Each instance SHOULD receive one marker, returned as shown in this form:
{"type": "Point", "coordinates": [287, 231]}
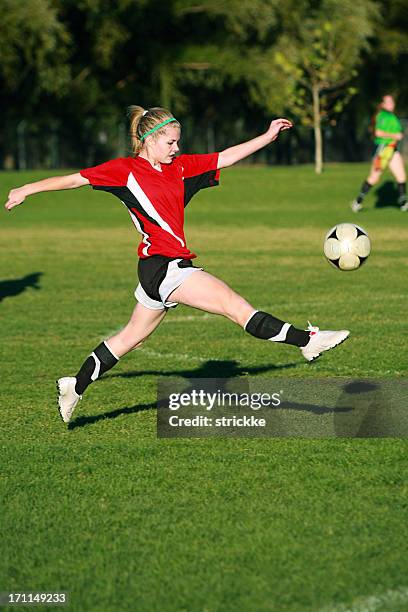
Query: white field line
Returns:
{"type": "Point", "coordinates": [177, 356]}
{"type": "Point", "coordinates": [152, 353]}
{"type": "Point", "coordinates": [374, 603]}
{"type": "Point", "coordinates": [175, 319]}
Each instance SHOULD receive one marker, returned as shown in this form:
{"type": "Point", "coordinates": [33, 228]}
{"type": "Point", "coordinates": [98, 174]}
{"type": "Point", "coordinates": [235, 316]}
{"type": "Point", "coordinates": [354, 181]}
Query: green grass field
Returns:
{"type": "Point", "coordinates": [124, 521]}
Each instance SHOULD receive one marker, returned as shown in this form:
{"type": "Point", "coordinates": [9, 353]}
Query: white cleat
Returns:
{"type": "Point", "coordinates": [404, 207]}
{"type": "Point", "coordinates": [67, 397]}
{"type": "Point", "coordinates": [356, 206]}
{"type": "Point", "coordinates": [321, 341]}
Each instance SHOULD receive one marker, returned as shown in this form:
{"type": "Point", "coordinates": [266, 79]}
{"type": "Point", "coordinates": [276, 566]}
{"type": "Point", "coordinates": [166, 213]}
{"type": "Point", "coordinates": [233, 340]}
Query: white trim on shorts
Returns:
{"type": "Point", "coordinates": [174, 278]}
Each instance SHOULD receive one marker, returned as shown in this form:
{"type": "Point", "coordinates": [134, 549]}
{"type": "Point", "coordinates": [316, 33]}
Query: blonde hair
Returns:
{"type": "Point", "coordinates": [142, 120]}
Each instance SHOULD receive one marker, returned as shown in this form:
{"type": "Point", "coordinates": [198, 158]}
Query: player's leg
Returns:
{"type": "Point", "coordinates": [374, 176]}
{"type": "Point", "coordinates": [208, 293]}
{"type": "Point", "coordinates": [106, 355]}
{"type": "Point", "coordinates": [371, 180]}
{"type": "Point", "coordinates": [398, 170]}
{"type": "Point", "coordinates": [141, 325]}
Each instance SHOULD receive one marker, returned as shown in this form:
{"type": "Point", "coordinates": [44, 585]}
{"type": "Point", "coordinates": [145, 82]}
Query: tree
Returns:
{"type": "Point", "coordinates": [34, 47]}
{"type": "Point", "coordinates": [34, 51]}
{"type": "Point", "coordinates": [300, 56]}
{"type": "Point", "coordinates": [319, 57]}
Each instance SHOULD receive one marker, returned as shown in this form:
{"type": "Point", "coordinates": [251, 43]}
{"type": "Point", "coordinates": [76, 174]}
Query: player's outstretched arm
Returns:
{"type": "Point", "coordinates": [234, 154]}
{"type": "Point", "coordinates": [70, 181]}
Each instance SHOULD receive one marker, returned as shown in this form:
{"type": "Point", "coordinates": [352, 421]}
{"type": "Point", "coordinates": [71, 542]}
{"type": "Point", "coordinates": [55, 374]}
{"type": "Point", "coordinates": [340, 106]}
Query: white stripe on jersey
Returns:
{"type": "Point", "coordinates": [145, 238]}
{"type": "Point", "coordinates": [146, 204]}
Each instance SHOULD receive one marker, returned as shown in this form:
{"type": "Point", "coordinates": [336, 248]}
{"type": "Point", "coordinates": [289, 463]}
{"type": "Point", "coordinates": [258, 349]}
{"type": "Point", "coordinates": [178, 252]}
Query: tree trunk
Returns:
{"type": "Point", "coordinates": [317, 130]}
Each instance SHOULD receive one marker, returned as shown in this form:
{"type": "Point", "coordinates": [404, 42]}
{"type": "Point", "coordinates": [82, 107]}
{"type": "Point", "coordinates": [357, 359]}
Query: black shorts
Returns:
{"type": "Point", "coordinates": [159, 276]}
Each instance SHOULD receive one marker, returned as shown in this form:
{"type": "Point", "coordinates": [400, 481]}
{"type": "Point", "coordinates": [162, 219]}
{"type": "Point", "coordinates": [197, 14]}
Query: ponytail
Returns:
{"type": "Point", "coordinates": [142, 121]}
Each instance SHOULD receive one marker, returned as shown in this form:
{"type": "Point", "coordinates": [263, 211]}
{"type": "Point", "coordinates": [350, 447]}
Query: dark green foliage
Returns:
{"type": "Point", "coordinates": [69, 69]}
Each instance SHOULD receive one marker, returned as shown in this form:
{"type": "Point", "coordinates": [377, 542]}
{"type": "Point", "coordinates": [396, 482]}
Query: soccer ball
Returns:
{"type": "Point", "coordinates": [347, 246]}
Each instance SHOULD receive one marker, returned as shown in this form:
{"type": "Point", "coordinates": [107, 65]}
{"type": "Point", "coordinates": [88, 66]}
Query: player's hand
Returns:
{"type": "Point", "coordinates": [278, 125]}
{"type": "Point", "coordinates": [15, 197]}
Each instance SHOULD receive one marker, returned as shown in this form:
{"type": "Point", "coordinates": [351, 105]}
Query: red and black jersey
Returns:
{"type": "Point", "coordinates": [154, 199]}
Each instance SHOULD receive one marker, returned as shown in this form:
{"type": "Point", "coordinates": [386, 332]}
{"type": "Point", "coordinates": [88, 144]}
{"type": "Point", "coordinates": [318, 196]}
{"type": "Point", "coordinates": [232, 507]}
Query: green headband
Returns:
{"type": "Point", "coordinates": [157, 127]}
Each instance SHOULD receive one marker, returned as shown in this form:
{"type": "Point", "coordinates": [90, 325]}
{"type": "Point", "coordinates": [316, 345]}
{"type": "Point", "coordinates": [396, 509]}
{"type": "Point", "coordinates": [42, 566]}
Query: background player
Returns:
{"type": "Point", "coordinates": [156, 185]}
{"type": "Point", "coordinates": [388, 135]}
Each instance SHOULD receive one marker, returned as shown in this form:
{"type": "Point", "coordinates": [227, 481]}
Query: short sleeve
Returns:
{"type": "Point", "coordinates": [113, 173]}
{"type": "Point", "coordinates": [193, 165]}
{"type": "Point", "coordinates": [199, 172]}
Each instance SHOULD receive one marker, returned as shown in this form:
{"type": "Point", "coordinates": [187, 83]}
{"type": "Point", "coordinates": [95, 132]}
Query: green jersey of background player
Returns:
{"type": "Point", "coordinates": [387, 122]}
{"type": "Point", "coordinates": [388, 135]}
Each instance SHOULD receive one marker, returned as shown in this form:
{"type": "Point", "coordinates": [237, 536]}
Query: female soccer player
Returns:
{"type": "Point", "coordinates": [155, 185]}
{"type": "Point", "coordinates": [388, 135]}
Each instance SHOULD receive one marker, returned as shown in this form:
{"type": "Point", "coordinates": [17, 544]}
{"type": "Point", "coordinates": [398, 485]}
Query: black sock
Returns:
{"type": "Point", "coordinates": [365, 188]}
{"type": "Point", "coordinates": [99, 361]}
{"type": "Point", "coordinates": [402, 193]}
{"type": "Point", "coordinates": [265, 326]}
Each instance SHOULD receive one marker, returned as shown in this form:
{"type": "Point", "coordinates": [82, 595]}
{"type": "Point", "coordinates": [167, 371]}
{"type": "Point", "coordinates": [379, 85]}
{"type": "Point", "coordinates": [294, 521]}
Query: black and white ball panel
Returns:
{"type": "Point", "coordinates": [347, 246]}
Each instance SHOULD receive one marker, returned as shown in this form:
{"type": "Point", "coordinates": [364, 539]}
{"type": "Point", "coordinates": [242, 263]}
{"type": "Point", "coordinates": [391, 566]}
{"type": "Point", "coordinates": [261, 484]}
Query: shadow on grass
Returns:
{"type": "Point", "coordinates": [386, 195]}
{"type": "Point", "coordinates": [12, 288]}
{"type": "Point", "coordinates": [314, 408]}
{"type": "Point", "coordinates": [113, 414]}
{"type": "Point", "coordinates": [210, 369]}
